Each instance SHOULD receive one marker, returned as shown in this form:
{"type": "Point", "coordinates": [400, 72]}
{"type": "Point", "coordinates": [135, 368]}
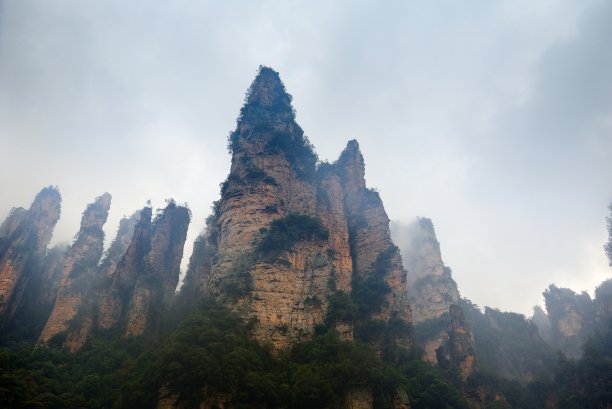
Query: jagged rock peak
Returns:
{"type": "Point", "coordinates": [48, 196]}
{"type": "Point", "coordinates": [267, 89]}
{"type": "Point", "coordinates": [266, 103]}
{"type": "Point", "coordinates": [431, 288]}
{"type": "Point", "coordinates": [352, 166]}
{"type": "Point", "coordinates": [120, 245]}
{"type": "Point", "coordinates": [96, 213]}
{"type": "Point", "coordinates": [571, 317]}
{"type": "Point", "coordinates": [25, 235]}
{"type": "Point", "coordinates": [266, 127]}
{"type": "Point", "coordinates": [80, 264]}
{"type": "Point", "coordinates": [12, 221]}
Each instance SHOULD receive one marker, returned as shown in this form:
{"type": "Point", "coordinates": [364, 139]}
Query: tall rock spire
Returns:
{"type": "Point", "coordinates": [266, 126]}
{"type": "Point", "coordinates": [157, 283]}
{"type": "Point", "coordinates": [351, 167]}
{"type": "Point", "coordinates": [376, 260]}
{"type": "Point", "coordinates": [434, 298]}
{"type": "Point", "coordinates": [115, 297]}
{"type": "Point", "coordinates": [80, 264]}
{"type": "Point", "coordinates": [431, 288]}
{"type": "Point", "coordinates": [24, 237]}
{"type": "Point", "coordinates": [287, 237]}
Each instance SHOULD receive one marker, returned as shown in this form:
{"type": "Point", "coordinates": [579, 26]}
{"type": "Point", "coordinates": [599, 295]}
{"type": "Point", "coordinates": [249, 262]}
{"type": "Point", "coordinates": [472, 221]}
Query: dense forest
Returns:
{"type": "Point", "coordinates": [211, 351]}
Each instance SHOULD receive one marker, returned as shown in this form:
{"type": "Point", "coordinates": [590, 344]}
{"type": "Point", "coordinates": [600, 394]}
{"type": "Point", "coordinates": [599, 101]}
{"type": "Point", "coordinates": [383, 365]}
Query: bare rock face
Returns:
{"type": "Point", "coordinates": [440, 326]}
{"type": "Point", "coordinates": [115, 296]}
{"type": "Point", "coordinates": [143, 282]}
{"type": "Point", "coordinates": [24, 237]}
{"type": "Point", "coordinates": [375, 257]}
{"type": "Point", "coordinates": [461, 343]}
{"type": "Point", "coordinates": [119, 246]}
{"type": "Point", "coordinates": [431, 288]}
{"type": "Point", "coordinates": [273, 190]}
{"type": "Point", "coordinates": [52, 268]}
{"type": "Point", "coordinates": [156, 284]}
{"type": "Point", "coordinates": [80, 264]}
{"type": "Point", "coordinates": [285, 235]}
{"type": "Point", "coordinates": [195, 285]}
{"type": "Point", "coordinates": [100, 285]}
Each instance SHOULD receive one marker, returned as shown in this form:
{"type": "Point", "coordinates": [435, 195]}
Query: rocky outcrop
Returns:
{"type": "Point", "coordinates": [156, 284]}
{"type": "Point", "coordinates": [603, 304]}
{"type": "Point", "coordinates": [286, 235]}
{"type": "Point", "coordinates": [440, 326]}
{"type": "Point", "coordinates": [274, 189]}
{"type": "Point", "coordinates": [119, 246]}
{"type": "Point", "coordinates": [375, 257]}
{"type": "Point", "coordinates": [143, 282]}
{"type": "Point", "coordinates": [431, 288]}
{"type": "Point", "coordinates": [24, 237]}
{"type": "Point", "coordinates": [540, 319]}
{"type": "Point", "coordinates": [80, 264]}
{"type": "Point", "coordinates": [12, 222]}
{"type": "Point", "coordinates": [571, 317]}
{"type": "Point", "coordinates": [115, 296]}
{"type": "Point", "coordinates": [195, 284]}
{"type": "Point", "coordinates": [459, 350]}
{"type": "Point", "coordinates": [508, 344]}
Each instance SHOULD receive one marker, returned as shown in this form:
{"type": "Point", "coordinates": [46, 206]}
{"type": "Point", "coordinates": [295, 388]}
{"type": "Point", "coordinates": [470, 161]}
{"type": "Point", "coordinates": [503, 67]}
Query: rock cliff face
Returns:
{"type": "Point", "coordinates": [116, 294]}
{"type": "Point", "coordinates": [273, 177]}
{"type": "Point", "coordinates": [24, 237]}
{"type": "Point", "coordinates": [440, 326]}
{"type": "Point", "coordinates": [80, 264]}
{"type": "Point", "coordinates": [431, 288]}
{"type": "Point", "coordinates": [51, 276]}
{"type": "Point", "coordinates": [119, 246]}
{"type": "Point", "coordinates": [155, 286]}
{"type": "Point", "coordinates": [285, 235]}
{"type": "Point", "coordinates": [374, 255]}
{"type": "Point", "coordinates": [463, 351]}
{"type": "Point", "coordinates": [143, 282]}
{"type": "Point", "coordinates": [571, 317]}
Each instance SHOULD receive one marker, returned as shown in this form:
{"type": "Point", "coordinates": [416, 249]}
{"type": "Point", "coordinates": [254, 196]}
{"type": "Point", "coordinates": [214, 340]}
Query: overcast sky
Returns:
{"type": "Point", "coordinates": [493, 118]}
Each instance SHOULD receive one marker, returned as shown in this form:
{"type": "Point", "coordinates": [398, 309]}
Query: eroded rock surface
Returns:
{"type": "Point", "coordinates": [80, 264]}
{"type": "Point", "coordinates": [24, 237]}
{"type": "Point", "coordinates": [274, 184]}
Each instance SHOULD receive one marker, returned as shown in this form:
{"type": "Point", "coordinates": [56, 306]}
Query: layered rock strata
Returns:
{"type": "Point", "coordinates": [373, 252]}
{"type": "Point", "coordinates": [285, 235]}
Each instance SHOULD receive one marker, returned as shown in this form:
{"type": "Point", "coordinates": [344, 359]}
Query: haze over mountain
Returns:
{"type": "Point", "coordinates": [493, 119]}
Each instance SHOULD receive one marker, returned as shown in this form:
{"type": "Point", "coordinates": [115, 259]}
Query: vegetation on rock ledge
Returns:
{"type": "Point", "coordinates": [284, 233]}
